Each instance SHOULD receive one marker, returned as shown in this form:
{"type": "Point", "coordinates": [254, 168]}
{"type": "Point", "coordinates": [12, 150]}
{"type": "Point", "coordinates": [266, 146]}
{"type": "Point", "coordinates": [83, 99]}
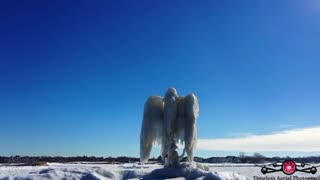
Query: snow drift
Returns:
{"type": "Point", "coordinates": [106, 171]}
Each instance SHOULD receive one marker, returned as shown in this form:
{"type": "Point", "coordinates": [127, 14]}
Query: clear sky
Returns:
{"type": "Point", "coordinates": [74, 75]}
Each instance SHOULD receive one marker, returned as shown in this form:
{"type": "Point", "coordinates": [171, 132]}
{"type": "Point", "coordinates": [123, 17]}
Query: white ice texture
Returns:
{"type": "Point", "coordinates": [167, 121]}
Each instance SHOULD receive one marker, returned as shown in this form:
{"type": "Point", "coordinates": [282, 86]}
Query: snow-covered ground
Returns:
{"type": "Point", "coordinates": [93, 171]}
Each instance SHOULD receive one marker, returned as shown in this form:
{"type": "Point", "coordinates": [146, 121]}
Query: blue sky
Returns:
{"type": "Point", "coordinates": [74, 75]}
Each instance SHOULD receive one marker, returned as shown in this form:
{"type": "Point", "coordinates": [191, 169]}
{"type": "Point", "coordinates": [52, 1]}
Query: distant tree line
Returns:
{"type": "Point", "coordinates": [256, 158]}
{"type": "Point", "coordinates": [62, 159]}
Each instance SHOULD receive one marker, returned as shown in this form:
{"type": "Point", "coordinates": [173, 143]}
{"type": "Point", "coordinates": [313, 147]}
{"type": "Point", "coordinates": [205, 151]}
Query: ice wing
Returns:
{"type": "Point", "coordinates": [152, 126]}
{"type": "Point", "coordinates": [190, 116]}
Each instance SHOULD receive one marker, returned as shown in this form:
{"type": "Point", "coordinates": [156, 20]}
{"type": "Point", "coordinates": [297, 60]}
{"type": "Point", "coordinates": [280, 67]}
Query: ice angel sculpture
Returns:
{"type": "Point", "coordinates": [169, 120]}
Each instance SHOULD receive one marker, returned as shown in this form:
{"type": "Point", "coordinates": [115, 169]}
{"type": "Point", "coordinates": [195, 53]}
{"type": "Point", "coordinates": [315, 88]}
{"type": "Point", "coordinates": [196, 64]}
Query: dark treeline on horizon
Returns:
{"type": "Point", "coordinates": [242, 158]}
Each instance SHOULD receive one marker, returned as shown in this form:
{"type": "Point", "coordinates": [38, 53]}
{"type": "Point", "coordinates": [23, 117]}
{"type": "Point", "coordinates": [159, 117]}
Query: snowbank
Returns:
{"type": "Point", "coordinates": [107, 171]}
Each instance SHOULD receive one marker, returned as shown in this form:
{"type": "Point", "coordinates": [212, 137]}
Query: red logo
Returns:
{"type": "Point", "coordinates": [289, 167]}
